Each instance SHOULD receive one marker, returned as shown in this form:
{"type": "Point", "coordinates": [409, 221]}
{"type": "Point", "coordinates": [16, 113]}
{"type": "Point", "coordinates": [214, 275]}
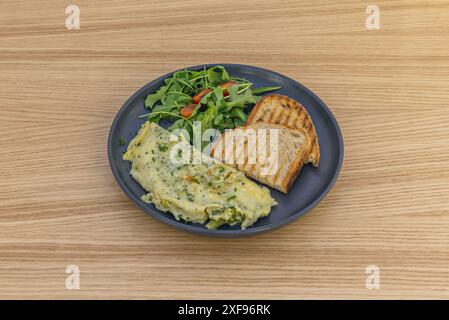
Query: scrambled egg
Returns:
{"type": "Point", "coordinates": [209, 191]}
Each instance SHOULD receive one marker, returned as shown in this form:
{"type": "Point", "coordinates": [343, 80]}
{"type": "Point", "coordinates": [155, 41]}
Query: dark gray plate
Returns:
{"type": "Point", "coordinates": [309, 188]}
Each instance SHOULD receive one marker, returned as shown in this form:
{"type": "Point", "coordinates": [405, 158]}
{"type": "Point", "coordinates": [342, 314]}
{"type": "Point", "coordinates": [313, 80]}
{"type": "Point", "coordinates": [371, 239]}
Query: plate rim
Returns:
{"type": "Point", "coordinates": [218, 232]}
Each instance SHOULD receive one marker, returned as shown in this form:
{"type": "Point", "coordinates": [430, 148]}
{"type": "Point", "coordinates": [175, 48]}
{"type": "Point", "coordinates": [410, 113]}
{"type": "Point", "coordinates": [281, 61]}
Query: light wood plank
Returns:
{"type": "Point", "coordinates": [60, 205]}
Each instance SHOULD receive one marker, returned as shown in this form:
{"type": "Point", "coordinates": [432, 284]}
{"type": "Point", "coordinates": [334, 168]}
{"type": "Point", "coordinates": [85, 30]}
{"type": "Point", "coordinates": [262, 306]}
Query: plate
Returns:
{"type": "Point", "coordinates": [308, 190]}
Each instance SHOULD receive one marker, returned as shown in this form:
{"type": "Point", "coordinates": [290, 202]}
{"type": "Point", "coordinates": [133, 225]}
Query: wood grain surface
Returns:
{"type": "Point", "coordinates": [60, 205]}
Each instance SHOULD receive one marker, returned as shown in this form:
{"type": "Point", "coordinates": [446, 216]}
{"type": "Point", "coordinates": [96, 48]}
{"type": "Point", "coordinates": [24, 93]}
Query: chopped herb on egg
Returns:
{"type": "Point", "coordinates": [162, 147]}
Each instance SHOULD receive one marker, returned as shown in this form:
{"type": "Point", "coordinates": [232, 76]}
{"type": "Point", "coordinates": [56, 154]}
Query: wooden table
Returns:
{"type": "Point", "coordinates": [60, 206]}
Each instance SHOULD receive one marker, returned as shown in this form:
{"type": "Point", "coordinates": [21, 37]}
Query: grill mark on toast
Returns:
{"type": "Point", "coordinates": [273, 102]}
{"type": "Point", "coordinates": [286, 172]}
{"type": "Point", "coordinates": [292, 121]}
{"type": "Point", "coordinates": [283, 117]}
{"type": "Point", "coordinates": [274, 116]}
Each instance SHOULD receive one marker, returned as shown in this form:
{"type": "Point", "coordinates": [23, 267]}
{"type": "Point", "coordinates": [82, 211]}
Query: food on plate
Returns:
{"type": "Point", "coordinates": [207, 191]}
{"type": "Point", "coordinates": [276, 140]}
{"type": "Point", "coordinates": [211, 96]}
{"type": "Point", "coordinates": [287, 111]}
{"type": "Point", "coordinates": [270, 153]}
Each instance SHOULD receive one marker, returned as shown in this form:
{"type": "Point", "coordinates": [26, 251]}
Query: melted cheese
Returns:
{"type": "Point", "coordinates": [208, 191]}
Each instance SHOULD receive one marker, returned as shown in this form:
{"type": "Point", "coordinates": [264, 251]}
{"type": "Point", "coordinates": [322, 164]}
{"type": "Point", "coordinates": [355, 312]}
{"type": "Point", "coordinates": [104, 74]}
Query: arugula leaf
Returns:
{"type": "Point", "coordinates": [217, 75]}
{"type": "Point", "coordinates": [163, 112]}
{"type": "Point", "coordinates": [181, 124]}
{"type": "Point", "coordinates": [239, 122]}
{"type": "Point", "coordinates": [209, 115]}
{"type": "Point", "coordinates": [265, 89]}
{"type": "Point", "coordinates": [218, 95]}
{"type": "Point", "coordinates": [237, 113]}
{"type": "Point", "coordinates": [177, 98]}
{"type": "Point", "coordinates": [151, 99]}
{"type": "Point", "coordinates": [218, 119]}
{"type": "Point", "coordinates": [239, 100]}
{"type": "Point", "coordinates": [214, 110]}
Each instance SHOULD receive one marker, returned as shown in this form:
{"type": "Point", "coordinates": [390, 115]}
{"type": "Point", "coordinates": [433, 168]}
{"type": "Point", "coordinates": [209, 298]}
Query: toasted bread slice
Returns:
{"type": "Point", "coordinates": [270, 153]}
{"type": "Point", "coordinates": [284, 110]}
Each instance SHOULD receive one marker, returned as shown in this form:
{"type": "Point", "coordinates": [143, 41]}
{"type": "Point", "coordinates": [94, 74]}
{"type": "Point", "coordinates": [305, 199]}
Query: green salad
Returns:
{"type": "Point", "coordinates": [211, 96]}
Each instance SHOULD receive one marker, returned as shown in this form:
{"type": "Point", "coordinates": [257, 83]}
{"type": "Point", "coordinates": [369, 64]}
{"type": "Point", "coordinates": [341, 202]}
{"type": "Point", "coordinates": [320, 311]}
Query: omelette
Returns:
{"type": "Point", "coordinates": [205, 191]}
